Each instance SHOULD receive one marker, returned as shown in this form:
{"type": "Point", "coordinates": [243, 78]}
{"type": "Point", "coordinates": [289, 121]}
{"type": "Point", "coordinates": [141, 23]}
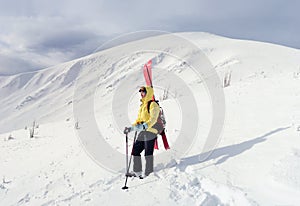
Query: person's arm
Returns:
{"type": "Point", "coordinates": [138, 120]}
{"type": "Point", "coordinates": [154, 112]}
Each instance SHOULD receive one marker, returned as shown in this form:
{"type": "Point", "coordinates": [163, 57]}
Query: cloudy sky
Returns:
{"type": "Point", "coordinates": [35, 34]}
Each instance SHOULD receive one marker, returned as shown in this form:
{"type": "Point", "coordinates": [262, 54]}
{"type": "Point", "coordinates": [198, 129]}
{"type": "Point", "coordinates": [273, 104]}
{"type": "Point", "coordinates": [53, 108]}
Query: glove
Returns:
{"type": "Point", "coordinates": [140, 127]}
{"type": "Point", "coordinates": [127, 130]}
{"type": "Point", "coordinates": [145, 126]}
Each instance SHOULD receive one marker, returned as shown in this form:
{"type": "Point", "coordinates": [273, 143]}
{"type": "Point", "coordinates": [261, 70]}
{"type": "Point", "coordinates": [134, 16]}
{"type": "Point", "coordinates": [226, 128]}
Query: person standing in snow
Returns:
{"type": "Point", "coordinates": [145, 124]}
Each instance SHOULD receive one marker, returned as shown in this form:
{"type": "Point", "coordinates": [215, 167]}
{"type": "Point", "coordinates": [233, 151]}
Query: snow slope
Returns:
{"type": "Point", "coordinates": [255, 163]}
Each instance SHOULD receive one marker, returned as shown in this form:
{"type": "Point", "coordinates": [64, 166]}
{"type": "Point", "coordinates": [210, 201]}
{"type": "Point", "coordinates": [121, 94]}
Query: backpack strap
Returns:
{"type": "Point", "coordinates": [149, 102]}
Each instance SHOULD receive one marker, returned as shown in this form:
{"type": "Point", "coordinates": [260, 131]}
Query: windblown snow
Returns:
{"type": "Point", "coordinates": [257, 160]}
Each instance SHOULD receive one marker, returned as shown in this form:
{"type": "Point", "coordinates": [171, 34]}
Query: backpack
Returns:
{"type": "Point", "coordinates": [160, 124]}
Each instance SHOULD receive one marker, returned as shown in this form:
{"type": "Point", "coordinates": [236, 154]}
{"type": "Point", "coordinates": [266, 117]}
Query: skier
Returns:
{"type": "Point", "coordinates": [145, 124]}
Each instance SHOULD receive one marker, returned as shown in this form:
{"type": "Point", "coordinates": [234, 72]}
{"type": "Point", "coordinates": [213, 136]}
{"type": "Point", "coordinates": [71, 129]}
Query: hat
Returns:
{"type": "Point", "coordinates": [143, 89]}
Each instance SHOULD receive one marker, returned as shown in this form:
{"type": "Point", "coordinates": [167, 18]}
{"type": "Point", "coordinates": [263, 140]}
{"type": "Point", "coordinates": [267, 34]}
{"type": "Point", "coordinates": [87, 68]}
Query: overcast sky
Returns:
{"type": "Point", "coordinates": [35, 34]}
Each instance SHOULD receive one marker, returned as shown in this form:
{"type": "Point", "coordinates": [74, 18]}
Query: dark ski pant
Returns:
{"type": "Point", "coordinates": [145, 141]}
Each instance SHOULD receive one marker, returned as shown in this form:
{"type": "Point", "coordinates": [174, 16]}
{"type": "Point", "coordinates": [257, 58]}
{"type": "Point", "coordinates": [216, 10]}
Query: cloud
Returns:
{"type": "Point", "coordinates": [37, 34]}
{"type": "Point", "coordinates": [11, 65]}
{"type": "Point", "coordinates": [34, 43]}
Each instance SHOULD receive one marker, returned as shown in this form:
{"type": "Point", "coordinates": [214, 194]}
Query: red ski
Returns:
{"type": "Point", "coordinates": [147, 70]}
{"type": "Point", "coordinates": [148, 73]}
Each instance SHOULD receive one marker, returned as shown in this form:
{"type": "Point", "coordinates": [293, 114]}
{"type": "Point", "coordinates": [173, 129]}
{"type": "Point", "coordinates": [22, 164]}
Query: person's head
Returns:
{"type": "Point", "coordinates": [143, 91]}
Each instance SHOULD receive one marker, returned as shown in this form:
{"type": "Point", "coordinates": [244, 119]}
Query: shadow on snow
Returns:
{"type": "Point", "coordinates": [224, 153]}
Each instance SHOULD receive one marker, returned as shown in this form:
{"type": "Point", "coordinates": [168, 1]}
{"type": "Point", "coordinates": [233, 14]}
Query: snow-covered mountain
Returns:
{"type": "Point", "coordinates": [256, 161]}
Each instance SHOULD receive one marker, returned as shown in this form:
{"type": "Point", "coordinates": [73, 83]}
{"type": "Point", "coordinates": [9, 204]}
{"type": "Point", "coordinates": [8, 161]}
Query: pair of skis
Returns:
{"type": "Point", "coordinates": [147, 70]}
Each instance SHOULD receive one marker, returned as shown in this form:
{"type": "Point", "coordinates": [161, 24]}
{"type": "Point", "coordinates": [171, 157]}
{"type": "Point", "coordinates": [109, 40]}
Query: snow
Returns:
{"type": "Point", "coordinates": [256, 161]}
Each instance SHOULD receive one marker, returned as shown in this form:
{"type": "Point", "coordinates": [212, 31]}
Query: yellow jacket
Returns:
{"type": "Point", "coordinates": [143, 115]}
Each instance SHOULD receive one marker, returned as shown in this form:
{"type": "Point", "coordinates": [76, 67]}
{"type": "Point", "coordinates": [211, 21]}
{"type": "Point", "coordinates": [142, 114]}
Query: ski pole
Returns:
{"type": "Point", "coordinates": [131, 151]}
{"type": "Point", "coordinates": [126, 152]}
{"type": "Point", "coordinates": [128, 167]}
